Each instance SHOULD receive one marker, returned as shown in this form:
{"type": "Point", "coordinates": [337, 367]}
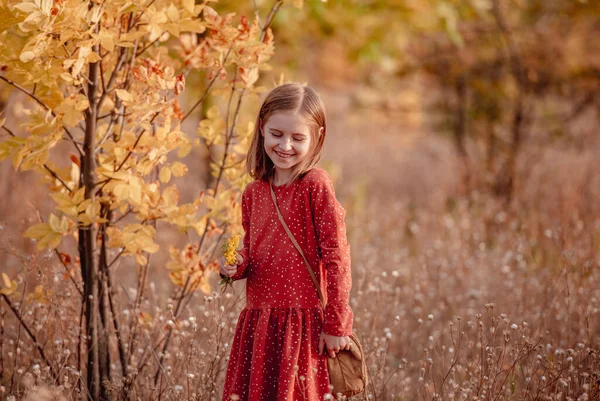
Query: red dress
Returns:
{"type": "Point", "coordinates": [280, 325]}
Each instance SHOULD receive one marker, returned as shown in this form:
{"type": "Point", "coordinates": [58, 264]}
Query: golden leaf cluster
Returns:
{"type": "Point", "coordinates": [186, 266]}
{"type": "Point", "coordinates": [129, 118]}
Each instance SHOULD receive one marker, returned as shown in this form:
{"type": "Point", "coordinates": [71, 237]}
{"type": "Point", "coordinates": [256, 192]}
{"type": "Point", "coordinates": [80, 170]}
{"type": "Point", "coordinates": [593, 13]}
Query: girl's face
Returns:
{"type": "Point", "coordinates": [286, 138]}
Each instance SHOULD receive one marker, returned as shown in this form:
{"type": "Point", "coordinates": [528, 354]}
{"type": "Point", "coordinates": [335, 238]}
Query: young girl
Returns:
{"type": "Point", "coordinates": [283, 334]}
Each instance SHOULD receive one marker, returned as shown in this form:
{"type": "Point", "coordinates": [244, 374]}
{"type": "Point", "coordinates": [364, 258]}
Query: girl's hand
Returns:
{"type": "Point", "coordinates": [334, 344]}
{"type": "Point", "coordinates": [229, 270]}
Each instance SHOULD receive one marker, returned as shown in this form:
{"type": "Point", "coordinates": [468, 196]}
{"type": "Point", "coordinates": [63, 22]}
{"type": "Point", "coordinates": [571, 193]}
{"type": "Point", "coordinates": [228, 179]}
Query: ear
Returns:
{"type": "Point", "coordinates": [321, 131]}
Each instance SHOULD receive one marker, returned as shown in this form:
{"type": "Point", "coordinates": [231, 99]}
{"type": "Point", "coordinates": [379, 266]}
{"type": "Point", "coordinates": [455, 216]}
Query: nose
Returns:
{"type": "Point", "coordinates": [285, 144]}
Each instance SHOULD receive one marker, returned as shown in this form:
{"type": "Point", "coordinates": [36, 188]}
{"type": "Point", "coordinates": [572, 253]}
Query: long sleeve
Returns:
{"type": "Point", "coordinates": [335, 254]}
{"type": "Point", "coordinates": [242, 270]}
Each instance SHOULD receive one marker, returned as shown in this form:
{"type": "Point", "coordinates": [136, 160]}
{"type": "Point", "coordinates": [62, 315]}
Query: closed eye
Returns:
{"type": "Point", "coordinates": [299, 139]}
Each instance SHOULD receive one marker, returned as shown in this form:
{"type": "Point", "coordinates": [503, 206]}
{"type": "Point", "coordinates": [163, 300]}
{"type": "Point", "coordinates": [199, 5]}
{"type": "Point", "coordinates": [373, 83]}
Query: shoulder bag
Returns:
{"type": "Point", "coordinates": [348, 370]}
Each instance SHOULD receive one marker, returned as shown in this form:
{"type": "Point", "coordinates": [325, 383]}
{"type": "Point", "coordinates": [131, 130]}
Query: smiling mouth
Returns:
{"type": "Point", "coordinates": [283, 155]}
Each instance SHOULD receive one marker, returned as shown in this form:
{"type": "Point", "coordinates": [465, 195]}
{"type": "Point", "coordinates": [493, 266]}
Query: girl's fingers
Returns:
{"type": "Point", "coordinates": [228, 270]}
{"type": "Point", "coordinates": [239, 259]}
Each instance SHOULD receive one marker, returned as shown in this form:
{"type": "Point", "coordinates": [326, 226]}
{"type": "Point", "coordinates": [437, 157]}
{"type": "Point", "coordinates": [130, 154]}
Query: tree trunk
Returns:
{"type": "Point", "coordinates": [89, 269]}
{"type": "Point", "coordinates": [460, 129]}
{"type": "Point", "coordinates": [507, 180]}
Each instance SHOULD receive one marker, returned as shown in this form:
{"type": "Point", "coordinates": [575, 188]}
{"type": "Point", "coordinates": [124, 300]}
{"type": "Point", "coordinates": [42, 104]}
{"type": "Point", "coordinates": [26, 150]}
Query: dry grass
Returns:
{"type": "Point", "coordinates": [456, 297]}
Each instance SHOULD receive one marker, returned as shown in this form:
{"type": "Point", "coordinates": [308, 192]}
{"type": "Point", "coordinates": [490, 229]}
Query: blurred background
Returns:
{"type": "Point", "coordinates": [463, 138]}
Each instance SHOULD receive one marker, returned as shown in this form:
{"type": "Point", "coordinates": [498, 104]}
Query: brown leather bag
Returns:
{"type": "Point", "coordinates": [348, 370]}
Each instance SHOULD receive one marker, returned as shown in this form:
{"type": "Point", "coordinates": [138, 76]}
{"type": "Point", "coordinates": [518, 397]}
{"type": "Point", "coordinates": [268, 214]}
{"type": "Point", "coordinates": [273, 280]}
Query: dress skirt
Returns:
{"type": "Point", "coordinates": [282, 344]}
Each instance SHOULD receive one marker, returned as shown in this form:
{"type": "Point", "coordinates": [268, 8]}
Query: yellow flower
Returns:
{"type": "Point", "coordinates": [230, 249]}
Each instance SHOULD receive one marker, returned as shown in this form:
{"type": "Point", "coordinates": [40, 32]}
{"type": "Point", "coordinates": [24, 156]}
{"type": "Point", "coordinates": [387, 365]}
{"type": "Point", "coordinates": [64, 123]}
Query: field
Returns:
{"type": "Point", "coordinates": [456, 296]}
{"type": "Point", "coordinates": [462, 138]}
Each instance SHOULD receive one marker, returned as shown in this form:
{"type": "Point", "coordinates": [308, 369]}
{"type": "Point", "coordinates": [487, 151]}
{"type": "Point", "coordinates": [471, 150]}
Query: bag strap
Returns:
{"type": "Point", "coordinates": [287, 230]}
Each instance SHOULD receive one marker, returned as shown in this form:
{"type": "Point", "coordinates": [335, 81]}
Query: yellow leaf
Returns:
{"type": "Point", "coordinates": [184, 149]}
{"type": "Point", "coordinates": [252, 77]}
{"type": "Point", "coordinates": [61, 199]}
{"type": "Point", "coordinates": [93, 57]}
{"type": "Point", "coordinates": [205, 285]}
{"type": "Point", "coordinates": [7, 18]}
{"type": "Point", "coordinates": [190, 25]}
{"type": "Point", "coordinates": [81, 102]}
{"type": "Point", "coordinates": [148, 245]}
{"type": "Point", "coordinates": [47, 6]}
{"type": "Point", "coordinates": [9, 286]}
{"type": "Point", "coordinates": [6, 280]}
{"type": "Point", "coordinates": [27, 56]}
{"type": "Point", "coordinates": [121, 191]}
{"type": "Point", "coordinates": [84, 205]}
{"type": "Point", "coordinates": [106, 40]}
{"type": "Point", "coordinates": [51, 241]}
{"type": "Point", "coordinates": [165, 175]}
{"type": "Point", "coordinates": [125, 44]}
{"type": "Point", "coordinates": [84, 219]}
{"type": "Point", "coordinates": [170, 196]}
{"type": "Point", "coordinates": [140, 259]}
{"type": "Point", "coordinates": [173, 28]}
{"type": "Point", "coordinates": [132, 228]}
{"type": "Point", "coordinates": [135, 187]}
{"type": "Point", "coordinates": [66, 76]}
{"type": "Point", "coordinates": [124, 95]}
{"type": "Point", "coordinates": [38, 231]}
{"type": "Point", "coordinates": [115, 237]}
{"type": "Point", "coordinates": [64, 225]}
{"type": "Point", "coordinates": [68, 108]}
{"type": "Point", "coordinates": [179, 169]}
{"type": "Point", "coordinates": [131, 36]}
{"type": "Point", "coordinates": [27, 7]}
{"type": "Point", "coordinates": [79, 195]}
{"type": "Point", "coordinates": [144, 318]}
{"type": "Point", "coordinates": [92, 212]}
{"type": "Point", "coordinates": [213, 112]}
{"type": "Point", "coordinates": [197, 9]}
{"type": "Point", "coordinates": [189, 5]}
{"type": "Point", "coordinates": [54, 223]}
{"type": "Point", "coordinates": [39, 295]}
{"type": "Point", "coordinates": [127, 8]}
{"type": "Point", "coordinates": [172, 13]}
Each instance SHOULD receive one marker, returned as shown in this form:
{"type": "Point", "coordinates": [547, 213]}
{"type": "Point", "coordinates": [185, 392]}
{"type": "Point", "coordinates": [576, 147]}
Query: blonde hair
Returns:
{"type": "Point", "coordinates": [297, 98]}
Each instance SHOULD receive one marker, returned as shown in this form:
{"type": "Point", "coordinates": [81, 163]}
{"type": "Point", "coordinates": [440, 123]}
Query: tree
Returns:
{"type": "Point", "coordinates": [104, 78]}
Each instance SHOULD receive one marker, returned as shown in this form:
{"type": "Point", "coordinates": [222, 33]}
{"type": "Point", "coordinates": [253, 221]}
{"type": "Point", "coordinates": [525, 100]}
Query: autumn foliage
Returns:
{"type": "Point", "coordinates": [104, 78]}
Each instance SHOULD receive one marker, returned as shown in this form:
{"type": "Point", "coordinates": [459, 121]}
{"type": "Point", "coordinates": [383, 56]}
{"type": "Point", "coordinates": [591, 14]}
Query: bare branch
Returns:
{"type": "Point", "coordinates": [270, 17]}
{"type": "Point", "coordinates": [257, 14]}
{"type": "Point", "coordinates": [207, 89]}
{"type": "Point", "coordinates": [62, 262]}
{"type": "Point", "coordinates": [113, 76]}
{"type": "Point", "coordinates": [136, 20]}
{"type": "Point", "coordinates": [44, 105]}
{"type": "Point", "coordinates": [37, 345]}
{"type": "Point", "coordinates": [147, 47]}
{"type": "Point", "coordinates": [9, 132]}
{"type": "Point", "coordinates": [57, 177]}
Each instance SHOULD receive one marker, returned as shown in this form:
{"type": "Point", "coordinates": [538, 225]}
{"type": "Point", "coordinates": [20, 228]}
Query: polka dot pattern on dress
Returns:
{"type": "Point", "coordinates": [277, 333]}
